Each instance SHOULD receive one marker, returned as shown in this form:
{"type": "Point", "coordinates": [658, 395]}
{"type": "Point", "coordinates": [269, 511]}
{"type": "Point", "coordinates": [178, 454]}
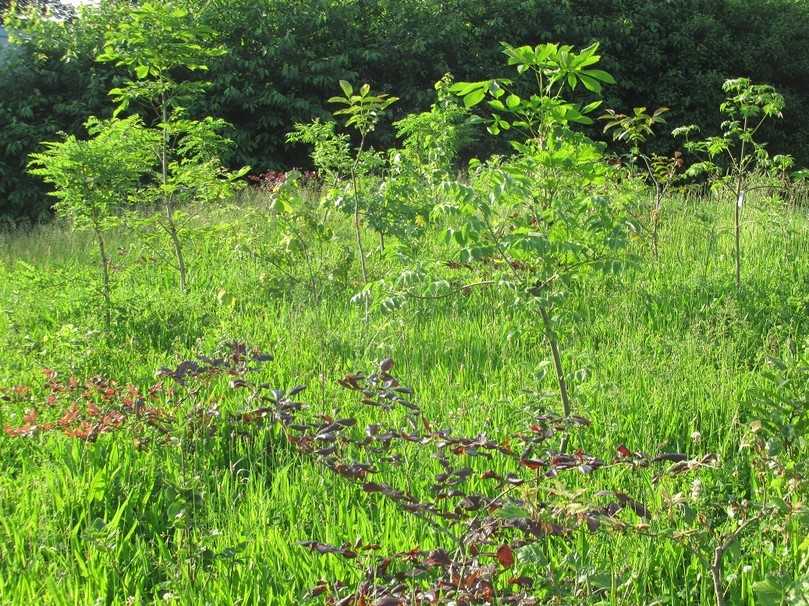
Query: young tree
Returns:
{"type": "Point", "coordinates": [732, 158]}
{"type": "Point", "coordinates": [362, 112]}
{"type": "Point", "coordinates": [540, 219]}
{"type": "Point", "coordinates": [94, 180]}
{"type": "Point", "coordinates": [157, 43]}
{"type": "Point", "coordinates": [634, 131]}
{"type": "Point", "coordinates": [332, 152]}
{"type": "Point", "coordinates": [430, 142]}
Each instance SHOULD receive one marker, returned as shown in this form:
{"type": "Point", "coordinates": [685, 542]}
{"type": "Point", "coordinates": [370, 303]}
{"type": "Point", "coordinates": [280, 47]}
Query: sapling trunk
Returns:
{"type": "Point", "coordinates": [171, 225]}
{"type": "Point", "coordinates": [656, 218]}
{"type": "Point", "coordinates": [738, 235]}
{"type": "Point", "coordinates": [357, 226]}
{"type": "Point", "coordinates": [177, 245]}
{"type": "Point", "coordinates": [550, 334]}
{"type": "Point", "coordinates": [717, 560]}
{"type": "Point", "coordinates": [737, 226]}
{"type": "Point", "coordinates": [657, 206]}
{"type": "Point", "coordinates": [358, 233]}
{"type": "Point", "coordinates": [738, 202]}
{"type": "Point", "coordinates": [105, 279]}
{"type": "Point", "coordinates": [557, 365]}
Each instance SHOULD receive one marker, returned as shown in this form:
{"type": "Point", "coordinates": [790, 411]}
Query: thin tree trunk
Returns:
{"type": "Point", "coordinates": [719, 554]}
{"type": "Point", "coordinates": [357, 228]}
{"type": "Point", "coordinates": [105, 275]}
{"type": "Point", "coordinates": [358, 235]}
{"type": "Point", "coordinates": [557, 365]}
{"type": "Point", "coordinates": [171, 226]}
{"type": "Point", "coordinates": [737, 224]}
{"type": "Point", "coordinates": [656, 220]}
{"type": "Point", "coordinates": [177, 245]}
{"type": "Point", "coordinates": [360, 249]}
{"type": "Point", "coordinates": [738, 234]}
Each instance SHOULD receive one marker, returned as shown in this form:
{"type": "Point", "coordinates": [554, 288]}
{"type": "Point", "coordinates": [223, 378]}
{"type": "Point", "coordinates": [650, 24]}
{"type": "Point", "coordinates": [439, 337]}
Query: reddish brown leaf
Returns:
{"type": "Point", "coordinates": [531, 463]}
{"type": "Point", "coordinates": [505, 556]}
{"type": "Point", "coordinates": [318, 589]}
{"type": "Point", "coordinates": [438, 557]}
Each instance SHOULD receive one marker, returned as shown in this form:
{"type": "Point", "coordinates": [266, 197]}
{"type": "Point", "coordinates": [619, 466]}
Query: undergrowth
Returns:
{"type": "Point", "coordinates": [215, 480]}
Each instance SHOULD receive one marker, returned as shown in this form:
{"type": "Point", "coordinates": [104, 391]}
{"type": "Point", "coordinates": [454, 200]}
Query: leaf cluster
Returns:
{"type": "Point", "coordinates": [94, 179]}
{"type": "Point", "coordinates": [362, 110]}
{"type": "Point", "coordinates": [556, 70]}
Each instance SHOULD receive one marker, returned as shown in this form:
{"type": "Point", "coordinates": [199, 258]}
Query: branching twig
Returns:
{"type": "Point", "coordinates": [719, 554]}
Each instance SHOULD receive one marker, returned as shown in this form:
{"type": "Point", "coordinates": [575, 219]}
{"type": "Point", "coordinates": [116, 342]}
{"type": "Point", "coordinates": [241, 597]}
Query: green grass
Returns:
{"type": "Point", "coordinates": [662, 350]}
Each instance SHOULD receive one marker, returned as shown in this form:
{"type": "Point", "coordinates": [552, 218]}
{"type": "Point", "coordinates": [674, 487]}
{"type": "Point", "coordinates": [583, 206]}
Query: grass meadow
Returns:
{"type": "Point", "coordinates": [661, 357]}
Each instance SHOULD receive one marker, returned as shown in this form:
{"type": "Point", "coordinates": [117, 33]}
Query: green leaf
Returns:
{"type": "Point", "coordinates": [592, 106]}
{"type": "Point", "coordinates": [496, 90]}
{"type": "Point", "coordinates": [599, 74]}
{"type": "Point", "coordinates": [122, 107]}
{"type": "Point", "coordinates": [142, 71]}
{"type": "Point", "coordinates": [464, 88]}
{"type": "Point", "coordinates": [512, 101]}
{"type": "Point", "coordinates": [511, 511]}
{"type": "Point", "coordinates": [768, 592]}
{"type": "Point", "coordinates": [348, 90]}
{"type": "Point", "coordinates": [532, 554]}
{"type": "Point", "coordinates": [472, 99]}
{"type": "Point", "coordinates": [590, 84]}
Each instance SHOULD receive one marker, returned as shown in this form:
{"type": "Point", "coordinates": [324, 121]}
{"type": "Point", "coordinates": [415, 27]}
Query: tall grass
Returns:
{"type": "Point", "coordinates": [659, 352]}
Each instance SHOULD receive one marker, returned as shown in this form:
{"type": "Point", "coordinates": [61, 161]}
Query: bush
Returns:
{"type": "Point", "coordinates": [283, 58]}
{"type": "Point", "coordinates": [50, 83]}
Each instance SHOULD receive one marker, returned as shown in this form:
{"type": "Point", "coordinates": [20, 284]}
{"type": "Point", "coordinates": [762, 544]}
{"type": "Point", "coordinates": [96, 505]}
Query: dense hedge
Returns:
{"type": "Point", "coordinates": [49, 83]}
{"type": "Point", "coordinates": [287, 55]}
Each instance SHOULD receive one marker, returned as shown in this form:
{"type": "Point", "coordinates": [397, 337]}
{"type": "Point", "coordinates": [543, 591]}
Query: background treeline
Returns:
{"type": "Point", "coordinates": [286, 56]}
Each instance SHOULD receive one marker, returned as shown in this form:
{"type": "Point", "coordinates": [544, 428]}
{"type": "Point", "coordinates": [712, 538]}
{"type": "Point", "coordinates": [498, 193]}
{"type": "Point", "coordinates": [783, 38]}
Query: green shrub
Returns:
{"type": "Point", "coordinates": [283, 58]}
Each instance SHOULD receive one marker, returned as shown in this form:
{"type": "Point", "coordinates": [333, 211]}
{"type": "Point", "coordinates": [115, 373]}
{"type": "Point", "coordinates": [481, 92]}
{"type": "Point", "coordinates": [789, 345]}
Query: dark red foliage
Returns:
{"type": "Point", "coordinates": [466, 488]}
{"type": "Point", "coordinates": [86, 410]}
{"type": "Point", "coordinates": [505, 555]}
{"type": "Point", "coordinates": [271, 180]}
